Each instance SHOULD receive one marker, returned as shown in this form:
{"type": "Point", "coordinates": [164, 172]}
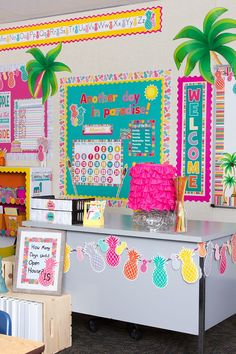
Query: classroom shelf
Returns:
{"type": "Point", "coordinates": [31, 182]}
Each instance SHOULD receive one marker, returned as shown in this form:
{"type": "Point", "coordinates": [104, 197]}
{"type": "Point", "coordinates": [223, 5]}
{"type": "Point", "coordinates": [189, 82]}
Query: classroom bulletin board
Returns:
{"type": "Point", "coordinates": [108, 123]}
{"type": "Point", "coordinates": [23, 119]}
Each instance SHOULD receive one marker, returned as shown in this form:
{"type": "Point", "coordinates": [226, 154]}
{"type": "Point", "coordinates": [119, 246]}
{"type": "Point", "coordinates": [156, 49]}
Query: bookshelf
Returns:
{"type": "Point", "coordinates": [17, 186]}
{"type": "Point", "coordinates": [55, 323]}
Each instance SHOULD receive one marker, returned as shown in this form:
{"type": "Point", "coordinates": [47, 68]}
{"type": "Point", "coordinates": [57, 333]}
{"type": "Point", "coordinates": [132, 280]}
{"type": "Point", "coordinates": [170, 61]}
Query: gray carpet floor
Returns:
{"type": "Point", "coordinates": [112, 338]}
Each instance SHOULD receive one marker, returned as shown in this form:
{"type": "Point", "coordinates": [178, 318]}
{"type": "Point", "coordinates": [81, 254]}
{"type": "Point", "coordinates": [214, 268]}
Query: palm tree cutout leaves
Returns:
{"type": "Point", "coordinates": [204, 45]}
{"type": "Point", "coordinates": [41, 72]}
{"type": "Point", "coordinates": [228, 163]}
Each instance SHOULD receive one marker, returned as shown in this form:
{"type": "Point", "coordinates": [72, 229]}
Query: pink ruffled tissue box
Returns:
{"type": "Point", "coordinates": [152, 187]}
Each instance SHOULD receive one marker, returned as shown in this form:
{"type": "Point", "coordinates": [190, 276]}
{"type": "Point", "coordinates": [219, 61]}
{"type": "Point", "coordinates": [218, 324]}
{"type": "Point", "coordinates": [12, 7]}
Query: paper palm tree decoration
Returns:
{"type": "Point", "coordinates": [229, 181]}
{"type": "Point", "coordinates": [229, 166]}
{"type": "Point", "coordinates": [41, 72]}
{"type": "Point", "coordinates": [203, 46]}
{"type": "Point", "coordinates": [229, 163]}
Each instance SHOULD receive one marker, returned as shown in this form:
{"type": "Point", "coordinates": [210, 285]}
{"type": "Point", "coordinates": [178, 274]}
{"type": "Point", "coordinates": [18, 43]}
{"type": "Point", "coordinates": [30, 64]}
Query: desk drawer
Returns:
{"type": "Point", "coordinates": [57, 216]}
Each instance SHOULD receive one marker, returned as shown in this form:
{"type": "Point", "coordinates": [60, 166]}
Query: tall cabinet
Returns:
{"type": "Point", "coordinates": [17, 186]}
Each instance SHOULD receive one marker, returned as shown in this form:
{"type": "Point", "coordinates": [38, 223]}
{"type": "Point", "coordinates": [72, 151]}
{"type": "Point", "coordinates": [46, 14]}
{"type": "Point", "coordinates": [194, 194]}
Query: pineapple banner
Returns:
{"type": "Point", "coordinates": [109, 251]}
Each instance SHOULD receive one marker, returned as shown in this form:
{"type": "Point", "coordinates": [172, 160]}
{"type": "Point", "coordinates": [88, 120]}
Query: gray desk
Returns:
{"type": "Point", "coordinates": [182, 307]}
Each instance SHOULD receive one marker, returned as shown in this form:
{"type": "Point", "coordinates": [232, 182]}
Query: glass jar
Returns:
{"type": "Point", "coordinates": [155, 220]}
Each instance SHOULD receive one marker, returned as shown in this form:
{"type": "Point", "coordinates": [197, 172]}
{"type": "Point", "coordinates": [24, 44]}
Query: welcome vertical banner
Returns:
{"type": "Point", "coordinates": [194, 136]}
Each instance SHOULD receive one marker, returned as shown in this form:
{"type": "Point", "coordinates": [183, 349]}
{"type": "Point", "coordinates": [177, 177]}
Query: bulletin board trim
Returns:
{"type": "Point", "coordinates": [66, 31]}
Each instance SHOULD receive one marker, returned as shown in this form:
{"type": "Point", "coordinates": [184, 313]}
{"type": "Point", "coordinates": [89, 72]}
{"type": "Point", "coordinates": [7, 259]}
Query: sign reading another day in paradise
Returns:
{"type": "Point", "coordinates": [122, 23]}
{"type": "Point", "coordinates": [194, 127]}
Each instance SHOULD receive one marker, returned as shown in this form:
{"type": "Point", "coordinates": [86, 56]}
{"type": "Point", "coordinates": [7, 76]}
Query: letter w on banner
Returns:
{"type": "Point", "coordinates": [194, 136]}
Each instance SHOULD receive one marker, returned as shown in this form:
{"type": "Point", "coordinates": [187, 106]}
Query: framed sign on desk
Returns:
{"type": "Point", "coordinates": [39, 261]}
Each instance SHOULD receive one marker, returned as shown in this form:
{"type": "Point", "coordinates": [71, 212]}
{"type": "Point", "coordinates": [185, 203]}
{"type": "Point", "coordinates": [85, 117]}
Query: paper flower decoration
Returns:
{"type": "Point", "coordinates": [152, 187]}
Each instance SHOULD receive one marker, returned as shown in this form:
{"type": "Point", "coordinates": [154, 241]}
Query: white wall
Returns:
{"type": "Point", "coordinates": [133, 53]}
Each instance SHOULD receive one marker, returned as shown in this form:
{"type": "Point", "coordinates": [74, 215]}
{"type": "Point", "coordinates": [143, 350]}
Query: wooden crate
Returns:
{"type": "Point", "coordinates": [8, 266]}
{"type": "Point", "coordinates": [56, 319]}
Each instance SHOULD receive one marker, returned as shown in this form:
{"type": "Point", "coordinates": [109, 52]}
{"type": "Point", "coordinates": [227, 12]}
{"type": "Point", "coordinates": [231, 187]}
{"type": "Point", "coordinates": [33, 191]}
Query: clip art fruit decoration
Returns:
{"type": "Point", "coordinates": [233, 244]}
{"type": "Point", "coordinates": [96, 260]}
{"type": "Point", "coordinates": [189, 269]}
{"type": "Point", "coordinates": [67, 259]}
{"type": "Point", "coordinates": [208, 259]}
{"type": "Point", "coordinates": [46, 276]}
{"type": "Point", "coordinates": [131, 266]}
{"type": "Point", "coordinates": [202, 249]}
{"type": "Point", "coordinates": [120, 248]}
{"type": "Point", "coordinates": [223, 260]}
{"type": "Point", "coordinates": [159, 275]}
{"type": "Point", "coordinates": [113, 259]}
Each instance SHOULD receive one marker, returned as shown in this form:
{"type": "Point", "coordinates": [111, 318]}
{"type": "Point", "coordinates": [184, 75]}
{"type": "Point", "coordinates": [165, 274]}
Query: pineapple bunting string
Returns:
{"type": "Point", "coordinates": [96, 260]}
{"type": "Point", "coordinates": [131, 266]}
{"type": "Point", "coordinates": [159, 275]}
{"type": "Point", "coordinates": [108, 252]}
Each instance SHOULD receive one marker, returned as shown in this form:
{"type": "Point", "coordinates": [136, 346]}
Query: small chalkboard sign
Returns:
{"type": "Point", "coordinates": [39, 261]}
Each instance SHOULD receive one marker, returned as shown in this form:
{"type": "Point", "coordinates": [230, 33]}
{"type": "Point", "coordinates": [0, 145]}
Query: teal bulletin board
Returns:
{"type": "Point", "coordinates": [108, 123]}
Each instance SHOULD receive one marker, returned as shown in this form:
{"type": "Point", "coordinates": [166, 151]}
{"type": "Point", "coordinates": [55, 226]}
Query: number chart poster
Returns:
{"type": "Point", "coordinates": [23, 119]}
{"type": "Point", "coordinates": [109, 123]}
{"type": "Point", "coordinates": [194, 136]}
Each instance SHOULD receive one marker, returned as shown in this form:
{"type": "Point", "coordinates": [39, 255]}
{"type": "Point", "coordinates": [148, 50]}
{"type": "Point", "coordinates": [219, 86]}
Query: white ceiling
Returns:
{"type": "Point", "coordinates": [19, 10]}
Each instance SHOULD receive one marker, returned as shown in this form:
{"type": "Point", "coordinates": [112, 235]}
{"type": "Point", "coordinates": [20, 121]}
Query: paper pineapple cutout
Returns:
{"type": "Point", "coordinates": [67, 258]}
{"type": "Point", "coordinates": [131, 266]}
{"type": "Point", "coordinates": [143, 266]}
{"type": "Point", "coordinates": [219, 81]}
{"type": "Point", "coordinates": [217, 252]}
{"type": "Point", "coordinates": [102, 245]}
{"type": "Point", "coordinates": [233, 244]}
{"type": "Point", "coordinates": [120, 248]}
{"type": "Point", "coordinates": [189, 269]}
{"type": "Point", "coordinates": [202, 249]}
{"type": "Point", "coordinates": [113, 259]}
{"type": "Point", "coordinates": [229, 247]}
{"type": "Point", "coordinates": [208, 259]}
{"type": "Point", "coordinates": [175, 262]}
{"type": "Point", "coordinates": [96, 260]}
{"type": "Point", "coordinates": [159, 275]}
{"type": "Point", "coordinates": [80, 254]}
{"type": "Point", "coordinates": [46, 276]}
{"type": "Point", "coordinates": [223, 260]}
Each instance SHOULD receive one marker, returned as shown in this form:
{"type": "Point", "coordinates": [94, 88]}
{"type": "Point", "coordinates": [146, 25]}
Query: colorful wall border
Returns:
{"type": "Point", "coordinates": [194, 136]}
{"type": "Point", "coordinates": [115, 24]}
{"type": "Point", "coordinates": [163, 75]}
